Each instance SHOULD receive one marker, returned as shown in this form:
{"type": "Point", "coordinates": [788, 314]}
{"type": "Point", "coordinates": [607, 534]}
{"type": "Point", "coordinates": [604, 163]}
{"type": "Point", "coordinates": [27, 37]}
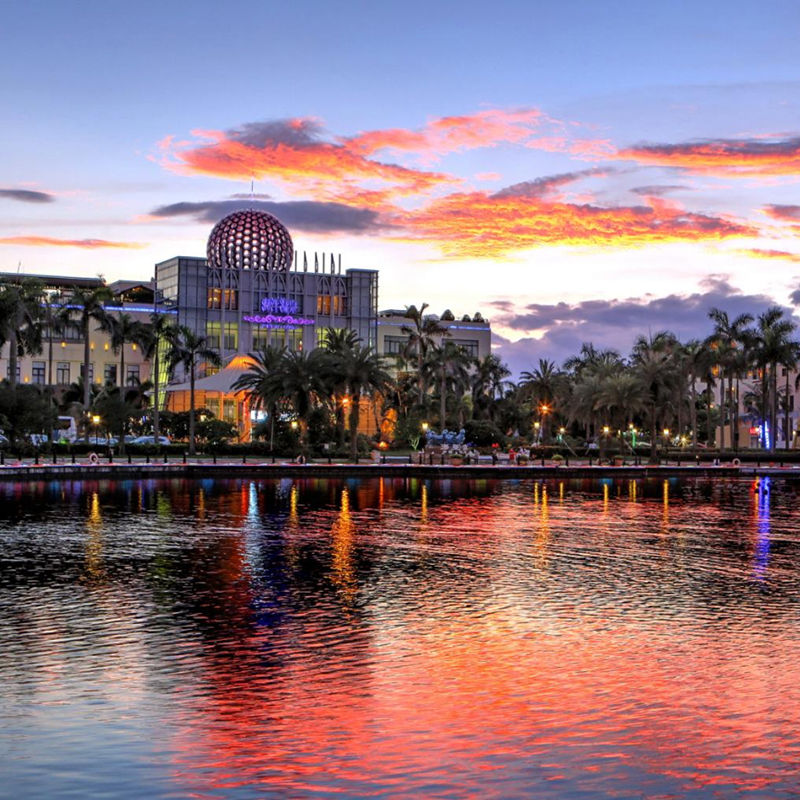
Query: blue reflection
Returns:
{"type": "Point", "coordinates": [762, 529]}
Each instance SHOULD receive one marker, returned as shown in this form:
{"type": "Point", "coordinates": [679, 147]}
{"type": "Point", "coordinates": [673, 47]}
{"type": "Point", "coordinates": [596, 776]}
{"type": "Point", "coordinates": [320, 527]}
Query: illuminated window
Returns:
{"type": "Point", "coordinates": [214, 298]}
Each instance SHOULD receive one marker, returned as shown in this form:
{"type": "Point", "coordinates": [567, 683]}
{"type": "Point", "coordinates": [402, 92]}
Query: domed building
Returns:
{"type": "Point", "coordinates": [254, 289]}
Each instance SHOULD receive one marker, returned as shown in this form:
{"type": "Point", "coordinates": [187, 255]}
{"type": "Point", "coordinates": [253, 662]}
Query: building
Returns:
{"type": "Point", "coordinates": [67, 343]}
{"type": "Point", "coordinates": [473, 334]}
{"type": "Point", "coordinates": [252, 290]}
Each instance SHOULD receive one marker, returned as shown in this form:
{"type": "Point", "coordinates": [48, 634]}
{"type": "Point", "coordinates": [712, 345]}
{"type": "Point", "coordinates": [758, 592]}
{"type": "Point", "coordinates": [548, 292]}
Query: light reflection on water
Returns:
{"type": "Point", "coordinates": [399, 637]}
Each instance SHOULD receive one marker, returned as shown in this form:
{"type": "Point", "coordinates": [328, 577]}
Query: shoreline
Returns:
{"type": "Point", "coordinates": [208, 469]}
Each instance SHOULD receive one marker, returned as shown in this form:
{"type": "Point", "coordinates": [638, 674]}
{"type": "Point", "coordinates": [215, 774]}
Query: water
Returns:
{"type": "Point", "coordinates": [399, 638]}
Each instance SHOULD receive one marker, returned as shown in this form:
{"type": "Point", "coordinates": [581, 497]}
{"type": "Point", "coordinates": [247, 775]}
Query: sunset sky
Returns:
{"type": "Point", "coordinates": [575, 171]}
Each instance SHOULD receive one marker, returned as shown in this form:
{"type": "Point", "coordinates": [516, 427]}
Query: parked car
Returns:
{"type": "Point", "coordinates": [162, 440]}
{"type": "Point", "coordinates": [103, 441]}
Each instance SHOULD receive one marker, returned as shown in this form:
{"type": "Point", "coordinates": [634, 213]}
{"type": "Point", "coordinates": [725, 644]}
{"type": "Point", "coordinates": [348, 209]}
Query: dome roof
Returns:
{"type": "Point", "coordinates": [250, 239]}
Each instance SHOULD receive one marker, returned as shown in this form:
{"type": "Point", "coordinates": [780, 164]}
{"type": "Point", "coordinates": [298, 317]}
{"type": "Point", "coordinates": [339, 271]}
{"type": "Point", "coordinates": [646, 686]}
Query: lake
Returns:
{"type": "Point", "coordinates": [400, 637]}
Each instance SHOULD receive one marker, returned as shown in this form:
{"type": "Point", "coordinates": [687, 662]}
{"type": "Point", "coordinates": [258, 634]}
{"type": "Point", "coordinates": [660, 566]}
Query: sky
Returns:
{"type": "Point", "coordinates": [576, 172]}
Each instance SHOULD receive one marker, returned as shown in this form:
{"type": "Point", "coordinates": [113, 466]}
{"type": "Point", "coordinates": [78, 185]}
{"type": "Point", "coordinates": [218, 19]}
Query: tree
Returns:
{"type": "Point", "coordinates": [189, 350]}
{"type": "Point", "coordinates": [423, 333]}
{"type": "Point", "coordinates": [450, 364]}
{"type": "Point", "coordinates": [728, 337]}
{"type": "Point", "coordinates": [542, 386]}
{"type": "Point", "coordinates": [262, 384]}
{"type": "Point", "coordinates": [489, 382]}
{"type": "Point", "coordinates": [123, 329]}
{"type": "Point", "coordinates": [654, 365]}
{"type": "Point", "coordinates": [339, 343]}
{"type": "Point", "coordinates": [154, 340]}
{"type": "Point", "coordinates": [363, 370]}
{"type": "Point", "coordinates": [20, 321]}
{"type": "Point", "coordinates": [774, 347]}
{"type": "Point", "coordinates": [87, 305]}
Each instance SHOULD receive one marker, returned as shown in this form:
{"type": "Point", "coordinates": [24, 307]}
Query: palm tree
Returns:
{"type": "Point", "coordinates": [362, 368]}
{"type": "Point", "coordinates": [20, 315]}
{"type": "Point", "coordinates": [262, 384]}
{"type": "Point", "coordinates": [154, 338]}
{"type": "Point", "coordinates": [622, 397]}
{"type": "Point", "coordinates": [87, 305]}
{"type": "Point", "coordinates": [188, 349]}
{"type": "Point", "coordinates": [301, 383]}
{"type": "Point", "coordinates": [339, 343]}
{"type": "Point", "coordinates": [489, 383]}
{"type": "Point", "coordinates": [423, 333]}
{"type": "Point", "coordinates": [728, 338]}
{"type": "Point", "coordinates": [774, 347]}
{"type": "Point", "coordinates": [542, 386]}
{"type": "Point", "coordinates": [123, 329]}
{"type": "Point", "coordinates": [654, 365]}
{"type": "Point", "coordinates": [450, 364]}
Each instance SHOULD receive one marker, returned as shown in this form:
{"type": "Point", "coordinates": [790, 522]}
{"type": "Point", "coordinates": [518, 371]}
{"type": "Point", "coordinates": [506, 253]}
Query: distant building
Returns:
{"type": "Point", "coordinates": [473, 334]}
{"type": "Point", "coordinates": [253, 290]}
{"type": "Point", "coordinates": [68, 344]}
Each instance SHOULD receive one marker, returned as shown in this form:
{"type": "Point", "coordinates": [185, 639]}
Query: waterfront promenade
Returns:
{"type": "Point", "coordinates": [223, 466]}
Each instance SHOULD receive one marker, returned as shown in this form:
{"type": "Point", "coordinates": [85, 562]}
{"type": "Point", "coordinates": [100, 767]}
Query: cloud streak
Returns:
{"type": "Point", "coordinates": [86, 244]}
{"type": "Point", "coordinates": [480, 225]}
{"type": "Point", "coordinates": [26, 196]}
{"type": "Point", "coordinates": [304, 215]}
{"type": "Point", "coordinates": [729, 158]}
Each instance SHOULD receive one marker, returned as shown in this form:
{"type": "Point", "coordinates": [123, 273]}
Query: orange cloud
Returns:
{"type": "Point", "coordinates": [723, 157]}
{"type": "Point", "coordinates": [529, 127]}
{"type": "Point", "coordinates": [784, 213]}
{"type": "Point", "coordinates": [293, 153]}
{"type": "Point", "coordinates": [757, 252]}
{"type": "Point", "coordinates": [480, 225]}
{"type": "Point", "coordinates": [49, 241]}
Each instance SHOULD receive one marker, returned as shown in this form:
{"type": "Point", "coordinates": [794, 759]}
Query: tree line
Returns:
{"type": "Point", "coordinates": [691, 387]}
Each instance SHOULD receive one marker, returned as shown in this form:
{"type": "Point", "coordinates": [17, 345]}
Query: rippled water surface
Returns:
{"type": "Point", "coordinates": [385, 637]}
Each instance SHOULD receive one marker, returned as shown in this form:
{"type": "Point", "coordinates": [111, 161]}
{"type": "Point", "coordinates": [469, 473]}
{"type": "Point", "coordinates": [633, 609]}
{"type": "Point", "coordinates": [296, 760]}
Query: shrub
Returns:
{"type": "Point", "coordinates": [483, 433]}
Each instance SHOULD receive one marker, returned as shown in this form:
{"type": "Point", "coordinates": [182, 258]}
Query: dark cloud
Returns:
{"type": "Point", "coordinates": [540, 187]}
{"type": "Point", "coordinates": [26, 196]}
{"type": "Point", "coordinates": [774, 155]}
{"type": "Point", "coordinates": [247, 196]}
{"type": "Point", "coordinates": [658, 191]}
{"type": "Point", "coordinates": [563, 327]}
{"type": "Point", "coordinates": [304, 215]}
{"type": "Point", "coordinates": [784, 213]}
{"type": "Point", "coordinates": [297, 133]}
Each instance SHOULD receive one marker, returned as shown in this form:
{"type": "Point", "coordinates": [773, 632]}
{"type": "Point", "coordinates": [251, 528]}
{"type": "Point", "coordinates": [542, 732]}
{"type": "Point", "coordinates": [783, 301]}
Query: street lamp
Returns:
{"type": "Point", "coordinates": [294, 424]}
{"type": "Point", "coordinates": [424, 427]}
{"type": "Point", "coordinates": [95, 422]}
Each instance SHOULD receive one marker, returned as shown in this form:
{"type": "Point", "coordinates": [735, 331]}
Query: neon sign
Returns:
{"type": "Point", "coordinates": [279, 314]}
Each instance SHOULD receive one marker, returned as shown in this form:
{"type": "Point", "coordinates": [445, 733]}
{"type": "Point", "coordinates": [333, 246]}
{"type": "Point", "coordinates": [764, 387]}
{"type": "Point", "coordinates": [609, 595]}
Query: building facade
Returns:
{"type": "Point", "coordinates": [473, 334]}
{"type": "Point", "coordinates": [252, 290]}
{"type": "Point", "coordinates": [61, 361]}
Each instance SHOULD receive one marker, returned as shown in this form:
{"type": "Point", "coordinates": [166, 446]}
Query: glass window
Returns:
{"type": "Point", "coordinates": [91, 371]}
{"type": "Point", "coordinates": [213, 334]}
{"type": "Point", "coordinates": [38, 372]}
{"type": "Point", "coordinates": [132, 375]}
{"type": "Point", "coordinates": [110, 374]}
{"type": "Point", "coordinates": [62, 372]}
{"type": "Point", "coordinates": [229, 410]}
{"type": "Point", "coordinates": [468, 346]}
{"type": "Point", "coordinates": [231, 336]}
{"type": "Point", "coordinates": [394, 345]}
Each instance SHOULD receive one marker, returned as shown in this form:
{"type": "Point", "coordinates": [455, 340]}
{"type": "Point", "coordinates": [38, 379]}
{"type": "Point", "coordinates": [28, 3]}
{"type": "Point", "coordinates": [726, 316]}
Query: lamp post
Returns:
{"type": "Point", "coordinates": [666, 444]}
{"type": "Point", "coordinates": [95, 422]}
{"type": "Point", "coordinates": [543, 411]}
{"type": "Point", "coordinates": [537, 426]}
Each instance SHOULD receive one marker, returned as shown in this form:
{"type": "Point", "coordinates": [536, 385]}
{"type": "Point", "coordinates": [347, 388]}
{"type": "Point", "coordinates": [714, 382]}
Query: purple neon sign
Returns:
{"type": "Point", "coordinates": [284, 318]}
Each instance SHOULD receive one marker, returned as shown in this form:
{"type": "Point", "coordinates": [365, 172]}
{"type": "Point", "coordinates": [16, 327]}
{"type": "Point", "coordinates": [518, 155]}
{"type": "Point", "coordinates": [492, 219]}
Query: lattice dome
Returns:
{"type": "Point", "coordinates": [250, 240]}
